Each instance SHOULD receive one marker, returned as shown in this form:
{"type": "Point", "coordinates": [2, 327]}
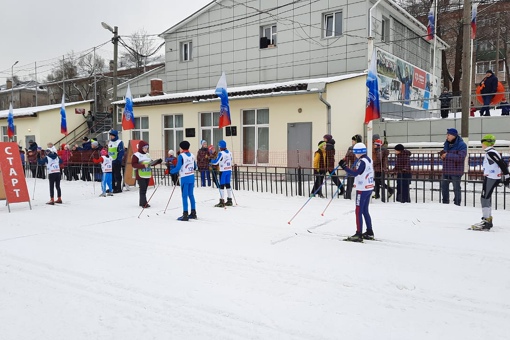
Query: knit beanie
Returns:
{"type": "Point", "coordinates": [184, 145]}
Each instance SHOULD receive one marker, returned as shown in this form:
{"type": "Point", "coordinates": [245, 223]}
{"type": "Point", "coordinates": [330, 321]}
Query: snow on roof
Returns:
{"type": "Point", "coordinates": [30, 111]}
{"type": "Point", "coordinates": [242, 89]}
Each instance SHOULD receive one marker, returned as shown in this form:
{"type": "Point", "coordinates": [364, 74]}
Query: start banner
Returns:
{"type": "Point", "coordinates": [13, 176]}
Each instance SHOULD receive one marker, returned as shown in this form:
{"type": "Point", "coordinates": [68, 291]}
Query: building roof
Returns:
{"type": "Point", "coordinates": [289, 87]}
{"type": "Point", "coordinates": [190, 17]}
{"type": "Point", "coordinates": [26, 85]}
{"type": "Point", "coordinates": [32, 111]}
{"type": "Point", "coordinates": [143, 75]}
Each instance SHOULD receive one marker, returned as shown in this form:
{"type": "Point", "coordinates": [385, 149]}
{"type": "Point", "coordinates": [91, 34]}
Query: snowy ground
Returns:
{"type": "Point", "coordinates": [90, 269]}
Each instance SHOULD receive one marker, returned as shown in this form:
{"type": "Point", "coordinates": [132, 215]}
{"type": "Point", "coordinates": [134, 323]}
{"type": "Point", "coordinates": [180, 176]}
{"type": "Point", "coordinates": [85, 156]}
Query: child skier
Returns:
{"type": "Point", "coordinates": [52, 162]}
{"type": "Point", "coordinates": [363, 170]}
{"type": "Point", "coordinates": [186, 167]}
{"type": "Point", "coordinates": [106, 166]}
{"type": "Point", "coordinates": [493, 168]}
{"type": "Point", "coordinates": [224, 160]}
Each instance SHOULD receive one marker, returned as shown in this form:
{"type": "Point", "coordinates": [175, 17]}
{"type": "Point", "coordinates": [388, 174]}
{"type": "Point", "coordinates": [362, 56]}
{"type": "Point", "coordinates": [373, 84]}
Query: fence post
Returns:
{"type": "Point", "coordinates": [299, 181]}
{"type": "Point", "coordinates": [236, 179]}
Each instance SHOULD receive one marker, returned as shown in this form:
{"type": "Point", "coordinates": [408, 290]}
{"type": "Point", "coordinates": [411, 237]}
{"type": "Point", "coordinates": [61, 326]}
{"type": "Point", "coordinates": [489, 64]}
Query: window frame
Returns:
{"type": "Point", "coordinates": [140, 130]}
{"type": "Point", "coordinates": [385, 30]}
{"type": "Point", "coordinates": [177, 130]}
{"type": "Point", "coordinates": [333, 15]}
{"type": "Point", "coordinates": [186, 51]}
{"type": "Point", "coordinates": [259, 154]}
{"type": "Point", "coordinates": [5, 135]}
{"type": "Point", "coordinates": [214, 133]}
{"type": "Point", "coordinates": [273, 34]}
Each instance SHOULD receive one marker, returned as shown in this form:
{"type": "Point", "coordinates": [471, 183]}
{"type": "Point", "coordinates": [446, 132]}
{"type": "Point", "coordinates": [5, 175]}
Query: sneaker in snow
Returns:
{"type": "Point", "coordinates": [103, 195]}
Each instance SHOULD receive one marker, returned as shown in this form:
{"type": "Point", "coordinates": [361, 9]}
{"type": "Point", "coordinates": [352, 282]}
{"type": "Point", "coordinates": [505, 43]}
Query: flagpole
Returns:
{"type": "Point", "coordinates": [434, 51]}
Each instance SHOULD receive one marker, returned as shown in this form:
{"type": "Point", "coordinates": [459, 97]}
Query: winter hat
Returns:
{"type": "Point", "coordinates": [321, 144]}
{"type": "Point", "coordinates": [489, 71]}
{"type": "Point", "coordinates": [171, 152]}
{"type": "Point", "coordinates": [399, 147]}
{"type": "Point", "coordinates": [114, 133]}
{"type": "Point", "coordinates": [489, 140]}
{"type": "Point", "coordinates": [104, 152]}
{"type": "Point", "coordinates": [203, 141]}
{"type": "Point", "coordinates": [357, 138]}
{"type": "Point", "coordinates": [95, 143]}
{"type": "Point", "coordinates": [375, 136]}
{"type": "Point", "coordinates": [328, 137]}
{"type": "Point", "coordinates": [378, 142]}
{"type": "Point", "coordinates": [86, 139]}
{"type": "Point", "coordinates": [30, 141]}
{"type": "Point", "coordinates": [184, 145]}
{"type": "Point", "coordinates": [359, 149]}
{"type": "Point", "coordinates": [222, 144]}
{"type": "Point", "coordinates": [452, 132]}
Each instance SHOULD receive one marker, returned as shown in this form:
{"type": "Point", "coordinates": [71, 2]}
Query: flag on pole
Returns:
{"type": "Point", "coordinates": [372, 111]}
{"type": "Point", "coordinates": [431, 29]}
{"type": "Point", "coordinates": [474, 11]}
{"type": "Point", "coordinates": [10, 123]}
{"type": "Point", "coordinates": [128, 118]}
{"type": "Point", "coordinates": [221, 91]}
{"type": "Point", "coordinates": [63, 121]}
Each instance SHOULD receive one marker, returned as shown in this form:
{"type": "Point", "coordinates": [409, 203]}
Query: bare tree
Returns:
{"type": "Point", "coordinates": [140, 49]}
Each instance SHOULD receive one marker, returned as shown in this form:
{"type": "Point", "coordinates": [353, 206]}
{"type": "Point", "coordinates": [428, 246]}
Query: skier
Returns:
{"type": "Point", "coordinates": [364, 184]}
{"type": "Point", "coordinates": [141, 161]}
{"type": "Point", "coordinates": [186, 167]}
{"type": "Point", "coordinates": [52, 162]}
{"type": "Point", "coordinates": [106, 166]}
{"type": "Point", "coordinates": [224, 160]}
{"type": "Point", "coordinates": [494, 171]}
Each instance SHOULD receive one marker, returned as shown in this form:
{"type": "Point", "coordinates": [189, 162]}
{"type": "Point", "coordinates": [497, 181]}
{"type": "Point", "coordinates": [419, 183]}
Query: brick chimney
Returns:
{"type": "Point", "coordinates": [156, 87]}
{"type": "Point", "coordinates": [9, 84]}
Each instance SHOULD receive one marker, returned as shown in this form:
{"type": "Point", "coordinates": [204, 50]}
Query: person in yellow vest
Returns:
{"type": "Point", "coordinates": [116, 152]}
{"type": "Point", "coordinates": [142, 162]}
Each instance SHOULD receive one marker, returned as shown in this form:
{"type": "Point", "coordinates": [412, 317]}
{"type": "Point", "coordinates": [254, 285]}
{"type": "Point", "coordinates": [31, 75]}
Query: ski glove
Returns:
{"type": "Point", "coordinates": [506, 181]}
{"type": "Point", "coordinates": [342, 164]}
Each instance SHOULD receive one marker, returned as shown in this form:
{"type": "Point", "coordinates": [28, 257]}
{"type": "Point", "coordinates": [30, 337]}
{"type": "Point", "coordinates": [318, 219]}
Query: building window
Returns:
{"type": "Point", "coordinates": [141, 130]}
{"type": "Point", "coordinates": [186, 51]}
{"type": "Point", "coordinates": [173, 132]}
{"type": "Point", "coordinates": [209, 129]}
{"type": "Point", "coordinates": [333, 24]}
{"type": "Point", "coordinates": [385, 30]}
{"type": "Point", "coordinates": [256, 136]}
{"type": "Point", "coordinates": [268, 36]}
{"type": "Point", "coordinates": [5, 135]}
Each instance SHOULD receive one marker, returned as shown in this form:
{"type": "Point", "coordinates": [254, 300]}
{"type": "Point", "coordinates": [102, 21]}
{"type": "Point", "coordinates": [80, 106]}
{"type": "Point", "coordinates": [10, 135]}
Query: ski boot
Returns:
{"type": "Point", "coordinates": [485, 224]}
{"type": "Point", "coordinates": [229, 202]}
{"type": "Point", "coordinates": [109, 194]}
{"type": "Point", "coordinates": [59, 201]}
{"type": "Point", "coordinates": [221, 204]}
{"type": "Point", "coordinates": [368, 235]}
{"type": "Point", "coordinates": [184, 216]}
{"type": "Point", "coordinates": [193, 214]}
{"type": "Point", "coordinates": [341, 191]}
{"type": "Point", "coordinates": [358, 237]}
{"type": "Point", "coordinates": [102, 195]}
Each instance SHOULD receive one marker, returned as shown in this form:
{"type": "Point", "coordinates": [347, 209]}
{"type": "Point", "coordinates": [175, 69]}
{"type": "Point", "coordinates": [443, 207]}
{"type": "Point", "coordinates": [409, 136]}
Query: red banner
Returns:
{"type": "Point", "coordinates": [79, 111]}
{"type": "Point", "coordinates": [419, 78]}
{"type": "Point", "coordinates": [13, 177]}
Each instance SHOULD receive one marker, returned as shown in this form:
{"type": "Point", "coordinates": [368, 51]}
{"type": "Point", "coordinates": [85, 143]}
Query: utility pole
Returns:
{"type": "Point", "coordinates": [496, 68]}
{"type": "Point", "coordinates": [466, 70]}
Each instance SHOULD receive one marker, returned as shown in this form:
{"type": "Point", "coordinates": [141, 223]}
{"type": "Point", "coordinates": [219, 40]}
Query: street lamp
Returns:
{"type": "Point", "coordinates": [115, 41]}
{"type": "Point", "coordinates": [12, 83]}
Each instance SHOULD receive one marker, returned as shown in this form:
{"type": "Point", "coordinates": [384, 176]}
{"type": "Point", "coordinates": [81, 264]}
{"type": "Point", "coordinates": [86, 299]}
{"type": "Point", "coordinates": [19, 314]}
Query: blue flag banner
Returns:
{"type": "Point", "coordinates": [128, 117]}
{"type": "Point", "coordinates": [372, 111]}
{"type": "Point", "coordinates": [10, 123]}
{"type": "Point", "coordinates": [221, 91]}
{"type": "Point", "coordinates": [63, 120]}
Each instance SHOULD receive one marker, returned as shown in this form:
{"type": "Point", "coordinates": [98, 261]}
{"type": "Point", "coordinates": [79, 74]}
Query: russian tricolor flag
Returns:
{"type": "Point", "coordinates": [63, 120]}
{"type": "Point", "coordinates": [431, 29]}
{"type": "Point", "coordinates": [10, 123]}
{"type": "Point", "coordinates": [128, 117]}
{"type": "Point", "coordinates": [221, 91]}
{"type": "Point", "coordinates": [372, 111]}
{"type": "Point", "coordinates": [473, 20]}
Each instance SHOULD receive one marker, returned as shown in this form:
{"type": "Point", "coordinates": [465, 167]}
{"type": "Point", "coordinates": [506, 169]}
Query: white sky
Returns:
{"type": "Point", "coordinates": [44, 31]}
{"type": "Point", "coordinates": [90, 269]}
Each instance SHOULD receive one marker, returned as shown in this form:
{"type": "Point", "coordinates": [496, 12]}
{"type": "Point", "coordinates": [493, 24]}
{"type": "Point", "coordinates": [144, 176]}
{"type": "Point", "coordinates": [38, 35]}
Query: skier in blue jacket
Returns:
{"type": "Point", "coordinates": [186, 166]}
{"type": "Point", "coordinates": [224, 160]}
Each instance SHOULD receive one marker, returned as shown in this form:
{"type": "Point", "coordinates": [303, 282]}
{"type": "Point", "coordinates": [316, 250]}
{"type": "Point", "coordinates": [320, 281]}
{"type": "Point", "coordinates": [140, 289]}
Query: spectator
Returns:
{"type": "Point", "coordinates": [90, 121]}
{"type": "Point", "coordinates": [65, 154]}
{"type": "Point", "coordinates": [380, 157]}
{"type": "Point", "coordinates": [32, 157]}
{"type": "Point", "coordinates": [453, 155]}
{"type": "Point", "coordinates": [472, 110]}
{"type": "Point", "coordinates": [319, 169]}
{"type": "Point", "coordinates": [141, 161]}
{"type": "Point", "coordinates": [22, 156]}
{"type": "Point", "coordinates": [87, 144]}
{"type": "Point", "coordinates": [445, 98]}
{"type": "Point", "coordinates": [214, 168]}
{"type": "Point", "coordinates": [203, 163]}
{"type": "Point", "coordinates": [171, 162]}
{"type": "Point", "coordinates": [402, 170]}
{"type": "Point", "coordinates": [505, 107]}
{"type": "Point", "coordinates": [330, 163]}
{"type": "Point", "coordinates": [489, 86]}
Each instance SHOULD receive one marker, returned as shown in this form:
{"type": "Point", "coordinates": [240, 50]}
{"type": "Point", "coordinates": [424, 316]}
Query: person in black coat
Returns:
{"type": "Point", "coordinates": [489, 86]}
{"type": "Point", "coordinates": [445, 98]}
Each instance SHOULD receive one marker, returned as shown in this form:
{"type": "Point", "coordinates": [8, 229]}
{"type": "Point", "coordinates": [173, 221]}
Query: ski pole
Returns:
{"type": "Point", "coordinates": [326, 178]}
{"type": "Point", "coordinates": [164, 212]}
{"type": "Point", "coordinates": [336, 193]}
{"type": "Point", "coordinates": [35, 178]}
{"type": "Point", "coordinates": [145, 205]}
